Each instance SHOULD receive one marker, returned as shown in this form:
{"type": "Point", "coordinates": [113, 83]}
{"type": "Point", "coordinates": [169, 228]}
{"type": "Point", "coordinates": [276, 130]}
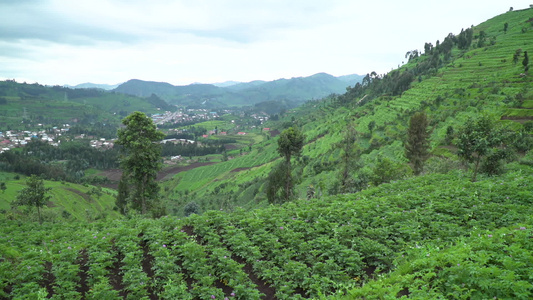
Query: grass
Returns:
{"type": "Point", "coordinates": [67, 199]}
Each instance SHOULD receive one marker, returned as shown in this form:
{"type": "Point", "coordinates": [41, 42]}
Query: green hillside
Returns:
{"type": "Point", "coordinates": [69, 201]}
{"type": "Point", "coordinates": [469, 83]}
{"type": "Point", "coordinates": [24, 104]}
{"type": "Point", "coordinates": [382, 234]}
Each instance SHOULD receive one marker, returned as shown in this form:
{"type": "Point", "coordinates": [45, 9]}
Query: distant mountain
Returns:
{"type": "Point", "coordinates": [89, 85]}
{"type": "Point", "coordinates": [297, 90]}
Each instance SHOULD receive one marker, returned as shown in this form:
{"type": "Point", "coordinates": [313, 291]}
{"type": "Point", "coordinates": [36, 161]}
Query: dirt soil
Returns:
{"type": "Point", "coordinates": [114, 174]}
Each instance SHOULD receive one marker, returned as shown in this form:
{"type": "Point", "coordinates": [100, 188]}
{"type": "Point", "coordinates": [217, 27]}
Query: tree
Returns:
{"type": "Point", "coordinates": [525, 62]}
{"type": "Point", "coordinates": [516, 55]}
{"type": "Point", "coordinates": [290, 144]}
{"type": "Point", "coordinates": [505, 27]}
{"type": "Point", "coordinates": [35, 194]}
{"type": "Point", "coordinates": [371, 126]}
{"type": "Point", "coordinates": [386, 170]}
{"type": "Point", "coordinates": [141, 158]}
{"type": "Point", "coordinates": [275, 187]}
{"type": "Point", "coordinates": [449, 134]}
{"type": "Point", "coordinates": [476, 139]}
{"type": "Point", "coordinates": [122, 195]}
{"type": "Point", "coordinates": [3, 187]}
{"type": "Point", "coordinates": [417, 145]}
{"type": "Point", "coordinates": [349, 157]}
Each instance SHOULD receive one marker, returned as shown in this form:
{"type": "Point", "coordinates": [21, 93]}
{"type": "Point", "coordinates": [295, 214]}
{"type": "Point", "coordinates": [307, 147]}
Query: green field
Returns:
{"type": "Point", "coordinates": [69, 201]}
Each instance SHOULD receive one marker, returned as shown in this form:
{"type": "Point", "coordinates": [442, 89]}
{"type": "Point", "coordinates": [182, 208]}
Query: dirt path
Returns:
{"type": "Point", "coordinates": [114, 174]}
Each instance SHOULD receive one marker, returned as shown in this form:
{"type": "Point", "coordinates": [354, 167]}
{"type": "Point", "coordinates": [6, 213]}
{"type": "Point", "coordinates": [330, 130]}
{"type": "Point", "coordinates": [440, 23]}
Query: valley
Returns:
{"type": "Point", "coordinates": [416, 183]}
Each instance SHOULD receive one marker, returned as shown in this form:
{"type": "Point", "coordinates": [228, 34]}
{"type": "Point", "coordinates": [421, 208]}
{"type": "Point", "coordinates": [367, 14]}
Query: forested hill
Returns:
{"type": "Point", "coordinates": [24, 105]}
{"type": "Point", "coordinates": [296, 90]}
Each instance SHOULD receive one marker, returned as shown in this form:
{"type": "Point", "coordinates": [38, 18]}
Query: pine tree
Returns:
{"type": "Point", "coordinates": [417, 145]}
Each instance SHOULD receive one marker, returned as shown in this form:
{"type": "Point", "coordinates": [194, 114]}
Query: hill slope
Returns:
{"type": "Point", "coordinates": [467, 84]}
{"type": "Point", "coordinates": [35, 103]}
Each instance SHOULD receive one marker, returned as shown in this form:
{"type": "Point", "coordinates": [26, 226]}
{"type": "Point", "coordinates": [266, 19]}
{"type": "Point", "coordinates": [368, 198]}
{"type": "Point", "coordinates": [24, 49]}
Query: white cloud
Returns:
{"type": "Point", "coordinates": [59, 41]}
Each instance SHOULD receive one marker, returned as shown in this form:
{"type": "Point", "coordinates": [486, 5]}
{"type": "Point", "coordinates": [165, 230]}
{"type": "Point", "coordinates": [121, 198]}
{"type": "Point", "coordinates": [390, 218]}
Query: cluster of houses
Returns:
{"type": "Point", "coordinates": [101, 143]}
{"type": "Point", "coordinates": [191, 115]}
{"type": "Point", "coordinates": [13, 139]}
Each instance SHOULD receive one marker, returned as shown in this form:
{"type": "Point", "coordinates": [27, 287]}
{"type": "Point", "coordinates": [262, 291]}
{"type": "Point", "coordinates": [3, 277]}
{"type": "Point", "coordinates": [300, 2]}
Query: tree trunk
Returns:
{"type": "Point", "coordinates": [474, 178]}
{"type": "Point", "coordinates": [39, 213]}
{"type": "Point", "coordinates": [288, 180]}
{"type": "Point", "coordinates": [143, 199]}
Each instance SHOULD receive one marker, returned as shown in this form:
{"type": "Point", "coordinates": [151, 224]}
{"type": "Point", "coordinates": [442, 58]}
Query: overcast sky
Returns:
{"type": "Point", "coordinates": [181, 42]}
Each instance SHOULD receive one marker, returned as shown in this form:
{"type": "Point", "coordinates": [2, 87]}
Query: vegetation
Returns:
{"type": "Point", "coordinates": [358, 224]}
{"type": "Point", "coordinates": [34, 195]}
{"type": "Point", "coordinates": [417, 145]}
{"type": "Point", "coordinates": [141, 159]}
{"type": "Point", "coordinates": [290, 144]}
{"type": "Point", "coordinates": [431, 238]}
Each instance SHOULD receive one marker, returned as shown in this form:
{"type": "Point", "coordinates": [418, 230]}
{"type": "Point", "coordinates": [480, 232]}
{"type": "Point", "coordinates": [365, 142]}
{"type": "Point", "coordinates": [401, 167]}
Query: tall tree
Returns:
{"type": "Point", "coordinates": [417, 145]}
{"type": "Point", "coordinates": [35, 194]}
{"type": "Point", "coordinates": [525, 62]}
{"type": "Point", "coordinates": [290, 144]}
{"type": "Point", "coordinates": [349, 157]}
{"type": "Point", "coordinates": [122, 195]}
{"type": "Point", "coordinates": [140, 161]}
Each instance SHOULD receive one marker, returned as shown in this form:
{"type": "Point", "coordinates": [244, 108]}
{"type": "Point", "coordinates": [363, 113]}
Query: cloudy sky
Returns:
{"type": "Point", "coordinates": [181, 42]}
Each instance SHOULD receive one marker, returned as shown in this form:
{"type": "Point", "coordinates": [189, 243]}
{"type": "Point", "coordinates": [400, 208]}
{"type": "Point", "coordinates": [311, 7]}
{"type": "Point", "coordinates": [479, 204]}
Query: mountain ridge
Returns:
{"type": "Point", "coordinates": [296, 89]}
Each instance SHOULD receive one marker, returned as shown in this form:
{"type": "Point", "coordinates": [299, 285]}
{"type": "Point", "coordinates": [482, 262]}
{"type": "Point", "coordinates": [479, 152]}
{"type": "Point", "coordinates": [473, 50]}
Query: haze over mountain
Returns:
{"type": "Point", "coordinates": [296, 89]}
{"type": "Point", "coordinates": [90, 85]}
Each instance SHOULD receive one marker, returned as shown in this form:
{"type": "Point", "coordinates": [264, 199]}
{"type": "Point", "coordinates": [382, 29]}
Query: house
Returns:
{"type": "Point", "coordinates": [266, 129]}
{"type": "Point", "coordinates": [241, 133]}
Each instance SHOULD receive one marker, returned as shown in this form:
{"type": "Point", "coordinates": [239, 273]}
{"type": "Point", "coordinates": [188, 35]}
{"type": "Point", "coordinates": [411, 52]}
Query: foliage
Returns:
{"type": "Point", "coordinates": [525, 62]}
{"type": "Point", "coordinates": [290, 144]}
{"type": "Point", "coordinates": [387, 170]}
{"type": "Point", "coordinates": [349, 158]}
{"type": "Point", "coordinates": [275, 186]}
{"type": "Point", "coordinates": [428, 240]}
{"type": "Point", "coordinates": [477, 139]}
{"type": "Point", "coordinates": [417, 144]}
{"type": "Point", "coordinates": [191, 208]}
{"type": "Point", "coordinates": [141, 158]}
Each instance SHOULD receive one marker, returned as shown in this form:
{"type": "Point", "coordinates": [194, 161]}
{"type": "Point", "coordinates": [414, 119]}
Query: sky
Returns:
{"type": "Point", "coordinates": [57, 42]}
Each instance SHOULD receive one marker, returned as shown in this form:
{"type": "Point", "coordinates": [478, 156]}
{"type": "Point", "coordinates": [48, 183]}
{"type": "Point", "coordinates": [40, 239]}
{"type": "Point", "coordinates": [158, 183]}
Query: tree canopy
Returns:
{"type": "Point", "coordinates": [141, 158]}
{"type": "Point", "coordinates": [290, 143]}
{"type": "Point", "coordinates": [417, 145]}
{"type": "Point", "coordinates": [34, 195]}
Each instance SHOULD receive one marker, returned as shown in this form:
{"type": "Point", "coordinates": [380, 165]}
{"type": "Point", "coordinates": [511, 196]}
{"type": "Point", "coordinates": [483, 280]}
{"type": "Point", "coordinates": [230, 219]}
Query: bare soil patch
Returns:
{"type": "Point", "coordinates": [240, 169]}
{"type": "Point", "coordinates": [83, 288]}
{"type": "Point", "coordinates": [83, 195]}
{"type": "Point", "coordinates": [114, 174]}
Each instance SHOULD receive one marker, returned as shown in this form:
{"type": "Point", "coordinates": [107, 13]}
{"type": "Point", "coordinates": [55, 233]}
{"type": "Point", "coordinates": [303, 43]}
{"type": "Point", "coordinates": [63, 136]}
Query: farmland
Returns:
{"type": "Point", "coordinates": [440, 235]}
{"type": "Point", "coordinates": [307, 248]}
